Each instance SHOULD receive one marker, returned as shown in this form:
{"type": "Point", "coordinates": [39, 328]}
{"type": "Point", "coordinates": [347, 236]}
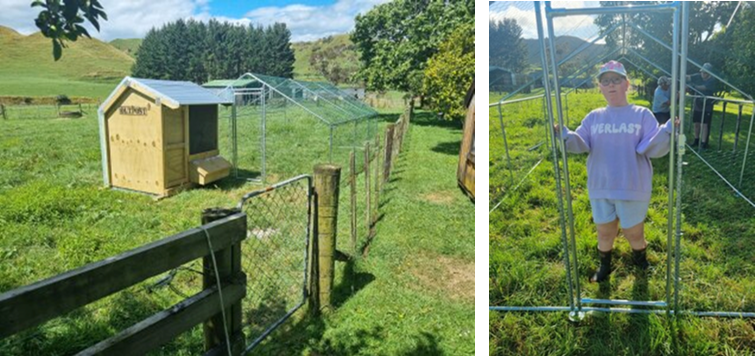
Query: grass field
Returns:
{"type": "Point", "coordinates": [717, 267]}
{"type": "Point", "coordinates": [413, 292]}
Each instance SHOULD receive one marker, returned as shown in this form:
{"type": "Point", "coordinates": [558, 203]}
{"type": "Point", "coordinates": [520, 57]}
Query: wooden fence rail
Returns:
{"type": "Point", "coordinates": [34, 304]}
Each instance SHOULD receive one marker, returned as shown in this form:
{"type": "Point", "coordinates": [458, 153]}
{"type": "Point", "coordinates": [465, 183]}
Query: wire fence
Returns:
{"type": "Point", "coordinates": [46, 111]}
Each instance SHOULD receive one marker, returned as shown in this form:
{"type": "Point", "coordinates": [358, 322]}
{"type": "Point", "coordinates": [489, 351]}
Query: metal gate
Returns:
{"type": "Point", "coordinates": [274, 255]}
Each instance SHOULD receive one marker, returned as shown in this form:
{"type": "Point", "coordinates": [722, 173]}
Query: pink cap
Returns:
{"type": "Point", "coordinates": [612, 66]}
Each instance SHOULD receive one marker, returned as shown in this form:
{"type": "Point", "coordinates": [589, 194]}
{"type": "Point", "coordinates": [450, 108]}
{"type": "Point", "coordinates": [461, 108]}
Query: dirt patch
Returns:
{"type": "Point", "coordinates": [451, 277]}
{"type": "Point", "coordinates": [440, 198]}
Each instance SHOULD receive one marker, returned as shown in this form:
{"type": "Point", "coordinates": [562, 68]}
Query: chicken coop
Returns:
{"type": "Point", "coordinates": [160, 137]}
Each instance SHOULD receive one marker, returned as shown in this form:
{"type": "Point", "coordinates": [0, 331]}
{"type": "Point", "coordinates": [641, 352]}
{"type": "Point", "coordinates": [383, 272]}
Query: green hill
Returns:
{"type": "Point", "coordinates": [128, 45]}
{"type": "Point", "coordinates": [89, 67]}
{"type": "Point", "coordinates": [303, 51]}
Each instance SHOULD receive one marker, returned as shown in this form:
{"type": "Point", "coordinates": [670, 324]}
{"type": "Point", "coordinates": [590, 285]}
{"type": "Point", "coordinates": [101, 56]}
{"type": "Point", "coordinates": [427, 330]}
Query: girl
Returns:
{"type": "Point", "coordinates": [620, 139]}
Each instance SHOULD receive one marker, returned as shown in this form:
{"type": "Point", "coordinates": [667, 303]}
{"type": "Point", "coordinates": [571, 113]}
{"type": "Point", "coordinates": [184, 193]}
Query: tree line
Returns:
{"type": "Point", "coordinates": [196, 51]}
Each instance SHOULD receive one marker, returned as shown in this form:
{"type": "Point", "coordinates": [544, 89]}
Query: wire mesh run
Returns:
{"type": "Point", "coordinates": [279, 126]}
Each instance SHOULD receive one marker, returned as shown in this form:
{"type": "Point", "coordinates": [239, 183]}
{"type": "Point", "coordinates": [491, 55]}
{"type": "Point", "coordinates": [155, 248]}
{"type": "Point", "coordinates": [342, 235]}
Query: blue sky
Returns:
{"type": "Point", "coordinates": [308, 20]}
{"type": "Point", "coordinates": [236, 8]}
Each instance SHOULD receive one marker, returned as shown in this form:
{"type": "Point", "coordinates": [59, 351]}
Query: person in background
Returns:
{"type": "Point", "coordinates": [662, 100]}
{"type": "Point", "coordinates": [706, 85]}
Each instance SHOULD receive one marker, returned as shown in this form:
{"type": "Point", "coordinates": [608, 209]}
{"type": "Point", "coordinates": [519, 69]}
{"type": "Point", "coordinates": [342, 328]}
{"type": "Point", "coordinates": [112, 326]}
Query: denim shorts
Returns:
{"type": "Point", "coordinates": [629, 213]}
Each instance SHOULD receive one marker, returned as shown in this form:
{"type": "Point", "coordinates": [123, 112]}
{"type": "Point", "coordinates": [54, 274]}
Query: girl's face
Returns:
{"type": "Point", "coordinates": [614, 88]}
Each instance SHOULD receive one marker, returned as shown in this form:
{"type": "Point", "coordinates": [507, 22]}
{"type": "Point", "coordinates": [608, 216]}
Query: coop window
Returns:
{"type": "Point", "coordinates": [203, 128]}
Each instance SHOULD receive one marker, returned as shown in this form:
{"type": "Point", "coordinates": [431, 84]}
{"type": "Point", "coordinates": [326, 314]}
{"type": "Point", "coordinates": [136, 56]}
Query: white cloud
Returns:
{"type": "Point", "coordinates": [581, 26]}
{"type": "Point", "coordinates": [126, 19]}
{"type": "Point", "coordinates": [134, 18]}
{"type": "Point", "coordinates": [18, 15]}
{"type": "Point", "coordinates": [308, 23]}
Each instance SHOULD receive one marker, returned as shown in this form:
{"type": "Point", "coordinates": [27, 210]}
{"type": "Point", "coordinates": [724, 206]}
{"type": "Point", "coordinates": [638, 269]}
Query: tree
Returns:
{"type": "Point", "coordinates": [191, 50]}
{"type": "Point", "coordinates": [335, 61]}
{"type": "Point", "coordinates": [737, 39]}
{"type": "Point", "coordinates": [703, 19]}
{"type": "Point", "coordinates": [61, 20]}
{"type": "Point", "coordinates": [394, 40]}
{"type": "Point", "coordinates": [450, 72]}
{"type": "Point", "coordinates": [281, 60]}
{"type": "Point", "coordinates": [506, 47]}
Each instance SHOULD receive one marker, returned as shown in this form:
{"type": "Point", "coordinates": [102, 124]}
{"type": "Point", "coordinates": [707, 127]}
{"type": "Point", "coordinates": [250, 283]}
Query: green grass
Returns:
{"type": "Point", "coordinates": [413, 291]}
{"type": "Point", "coordinates": [526, 262]}
{"type": "Point", "coordinates": [128, 45]}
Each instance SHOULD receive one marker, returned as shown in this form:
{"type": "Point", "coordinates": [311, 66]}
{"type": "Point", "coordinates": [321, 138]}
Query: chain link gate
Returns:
{"type": "Point", "coordinates": [274, 255]}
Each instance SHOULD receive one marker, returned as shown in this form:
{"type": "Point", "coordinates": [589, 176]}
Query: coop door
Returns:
{"type": "Point", "coordinates": [134, 140]}
{"type": "Point", "coordinates": [203, 129]}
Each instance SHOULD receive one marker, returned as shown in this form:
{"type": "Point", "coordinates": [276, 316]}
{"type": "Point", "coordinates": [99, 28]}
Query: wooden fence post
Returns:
{"type": "Point", "coordinates": [327, 177]}
{"type": "Point", "coordinates": [368, 195]}
{"type": "Point", "coordinates": [377, 182]}
{"type": "Point", "coordinates": [388, 151]}
{"type": "Point", "coordinates": [228, 268]}
{"type": "Point", "coordinates": [353, 201]}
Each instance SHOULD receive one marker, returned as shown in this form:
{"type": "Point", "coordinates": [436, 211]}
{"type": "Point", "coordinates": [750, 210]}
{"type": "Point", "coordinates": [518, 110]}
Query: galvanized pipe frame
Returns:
{"type": "Point", "coordinates": [575, 315]}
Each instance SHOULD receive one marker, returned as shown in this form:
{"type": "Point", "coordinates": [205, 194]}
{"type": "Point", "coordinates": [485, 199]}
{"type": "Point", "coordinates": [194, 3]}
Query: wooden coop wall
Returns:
{"type": "Point", "coordinates": [135, 145]}
{"type": "Point", "coordinates": [466, 169]}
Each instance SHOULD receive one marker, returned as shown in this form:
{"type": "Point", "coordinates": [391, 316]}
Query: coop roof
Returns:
{"type": "Point", "coordinates": [173, 94]}
{"type": "Point", "coordinates": [222, 83]}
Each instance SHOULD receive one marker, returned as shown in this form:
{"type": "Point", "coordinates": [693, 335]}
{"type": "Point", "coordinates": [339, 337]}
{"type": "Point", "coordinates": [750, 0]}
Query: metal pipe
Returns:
{"type": "Point", "coordinates": [505, 144]}
{"type": "Point", "coordinates": [624, 302]}
{"type": "Point", "coordinates": [736, 130]}
{"type": "Point", "coordinates": [550, 13]}
{"type": "Point", "coordinates": [721, 128]}
{"type": "Point", "coordinates": [515, 100]}
{"type": "Point", "coordinates": [677, 246]}
{"type": "Point", "coordinates": [554, 149]}
{"type": "Point", "coordinates": [747, 148]}
{"type": "Point", "coordinates": [529, 308]}
{"type": "Point", "coordinates": [263, 101]}
{"type": "Point", "coordinates": [517, 186]}
{"type": "Point", "coordinates": [622, 310]}
{"type": "Point", "coordinates": [672, 108]}
{"type": "Point", "coordinates": [559, 111]}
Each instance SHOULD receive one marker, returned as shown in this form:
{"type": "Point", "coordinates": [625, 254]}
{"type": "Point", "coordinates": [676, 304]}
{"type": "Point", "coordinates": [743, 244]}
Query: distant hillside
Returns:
{"type": "Point", "coordinates": [128, 45]}
{"type": "Point", "coordinates": [89, 67]}
{"type": "Point", "coordinates": [303, 52]}
{"type": "Point", "coordinates": [564, 46]}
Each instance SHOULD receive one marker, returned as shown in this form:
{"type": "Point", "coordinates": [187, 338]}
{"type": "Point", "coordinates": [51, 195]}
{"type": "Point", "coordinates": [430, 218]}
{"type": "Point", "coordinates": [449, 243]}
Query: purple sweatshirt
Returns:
{"type": "Point", "coordinates": [620, 142]}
